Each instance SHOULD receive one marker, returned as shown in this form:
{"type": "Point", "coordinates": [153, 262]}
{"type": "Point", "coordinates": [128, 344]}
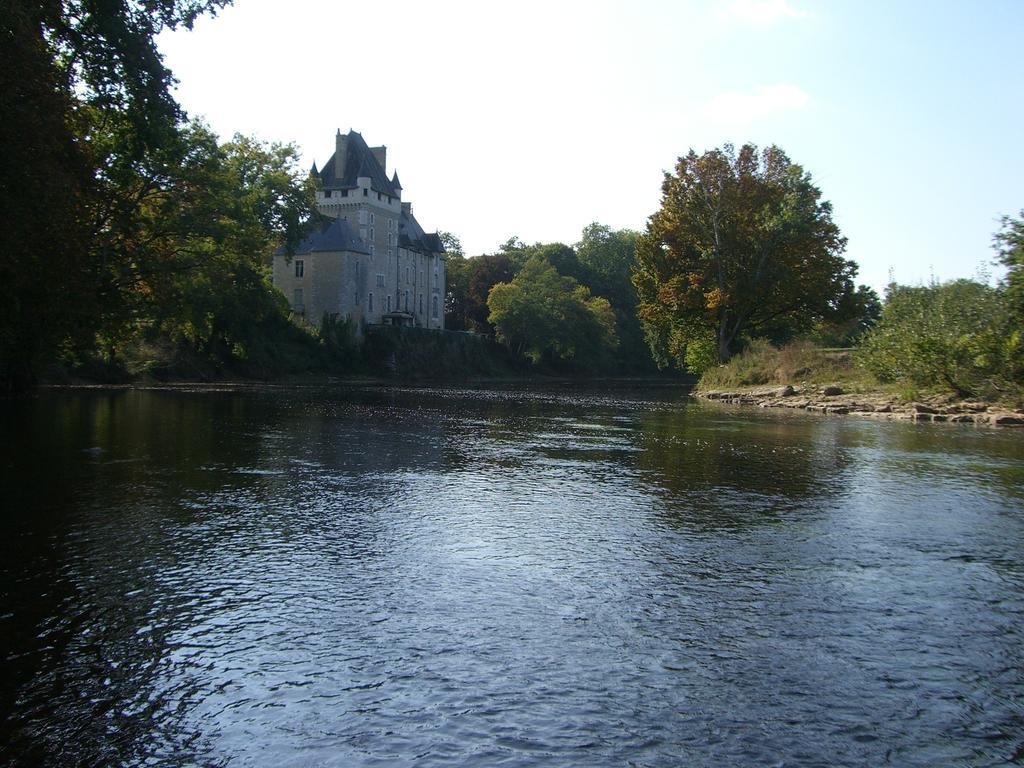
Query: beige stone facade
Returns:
{"type": "Point", "coordinates": [372, 262]}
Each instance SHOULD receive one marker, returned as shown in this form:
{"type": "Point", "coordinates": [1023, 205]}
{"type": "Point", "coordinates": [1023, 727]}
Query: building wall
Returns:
{"type": "Point", "coordinates": [331, 283]}
{"type": "Point", "coordinates": [389, 272]}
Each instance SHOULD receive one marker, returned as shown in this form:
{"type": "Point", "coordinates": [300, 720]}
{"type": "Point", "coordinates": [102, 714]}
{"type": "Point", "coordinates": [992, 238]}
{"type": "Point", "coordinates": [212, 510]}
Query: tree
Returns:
{"type": "Point", "coordinates": [1009, 244]}
{"type": "Point", "coordinates": [484, 273]}
{"type": "Point", "coordinates": [742, 240]}
{"type": "Point", "coordinates": [45, 183]}
{"type": "Point", "coordinates": [608, 256]}
{"type": "Point", "coordinates": [548, 317]}
{"type": "Point", "coordinates": [957, 336]}
{"type": "Point", "coordinates": [65, 69]}
{"type": "Point", "coordinates": [854, 313]}
{"type": "Point", "coordinates": [456, 278]}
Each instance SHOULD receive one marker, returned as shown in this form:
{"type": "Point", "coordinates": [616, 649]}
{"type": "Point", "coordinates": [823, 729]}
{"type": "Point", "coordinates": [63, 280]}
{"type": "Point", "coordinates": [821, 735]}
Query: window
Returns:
{"type": "Point", "coordinates": [407, 276]}
{"type": "Point", "coordinates": [434, 312]}
{"type": "Point", "coordinates": [327, 193]}
{"type": "Point", "coordinates": [421, 303]}
{"type": "Point", "coordinates": [389, 302]}
{"type": "Point", "coordinates": [379, 197]}
{"type": "Point", "coordinates": [380, 280]}
{"type": "Point", "coordinates": [371, 218]}
{"type": "Point", "coordinates": [297, 304]}
{"type": "Point", "coordinates": [300, 267]}
{"type": "Point", "coordinates": [366, 193]}
{"type": "Point", "coordinates": [369, 302]}
{"type": "Point", "coordinates": [372, 236]}
{"type": "Point", "coordinates": [344, 193]}
{"type": "Point", "coordinates": [373, 249]}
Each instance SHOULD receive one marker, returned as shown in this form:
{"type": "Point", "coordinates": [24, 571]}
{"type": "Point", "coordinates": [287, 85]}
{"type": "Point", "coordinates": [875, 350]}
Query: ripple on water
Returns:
{"type": "Point", "coordinates": [510, 579]}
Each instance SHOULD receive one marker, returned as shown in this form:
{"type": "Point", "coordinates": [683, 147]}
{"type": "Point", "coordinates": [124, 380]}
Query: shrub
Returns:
{"type": "Point", "coordinates": [956, 336]}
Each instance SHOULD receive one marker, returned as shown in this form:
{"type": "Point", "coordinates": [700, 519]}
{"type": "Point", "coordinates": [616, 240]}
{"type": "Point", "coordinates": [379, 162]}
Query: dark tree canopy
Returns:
{"type": "Point", "coordinates": [484, 273]}
{"type": "Point", "coordinates": [86, 103]}
{"type": "Point", "coordinates": [742, 241]}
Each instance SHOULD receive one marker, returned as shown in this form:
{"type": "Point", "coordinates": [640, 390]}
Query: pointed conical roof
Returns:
{"type": "Point", "coordinates": [395, 182]}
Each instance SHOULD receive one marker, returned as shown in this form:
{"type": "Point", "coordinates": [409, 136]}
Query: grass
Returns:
{"type": "Point", "coordinates": [798, 363]}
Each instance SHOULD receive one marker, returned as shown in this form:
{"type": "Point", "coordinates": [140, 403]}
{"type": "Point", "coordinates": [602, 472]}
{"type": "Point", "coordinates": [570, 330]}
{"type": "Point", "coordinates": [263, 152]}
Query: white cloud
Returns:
{"type": "Point", "coordinates": [738, 107]}
{"type": "Point", "coordinates": [763, 12]}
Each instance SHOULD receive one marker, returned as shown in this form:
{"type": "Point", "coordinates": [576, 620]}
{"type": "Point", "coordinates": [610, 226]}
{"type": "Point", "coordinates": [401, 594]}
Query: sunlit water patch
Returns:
{"type": "Point", "coordinates": [459, 577]}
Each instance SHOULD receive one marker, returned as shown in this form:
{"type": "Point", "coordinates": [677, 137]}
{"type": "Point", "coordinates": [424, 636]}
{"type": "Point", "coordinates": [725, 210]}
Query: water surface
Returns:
{"type": "Point", "coordinates": [356, 577]}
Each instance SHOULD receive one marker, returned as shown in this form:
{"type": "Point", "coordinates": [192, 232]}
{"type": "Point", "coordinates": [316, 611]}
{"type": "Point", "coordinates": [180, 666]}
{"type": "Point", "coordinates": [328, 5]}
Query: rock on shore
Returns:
{"type": "Point", "coordinates": [832, 400]}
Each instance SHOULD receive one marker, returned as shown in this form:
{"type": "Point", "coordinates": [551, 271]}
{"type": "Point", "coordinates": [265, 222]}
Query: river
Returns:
{"type": "Point", "coordinates": [429, 577]}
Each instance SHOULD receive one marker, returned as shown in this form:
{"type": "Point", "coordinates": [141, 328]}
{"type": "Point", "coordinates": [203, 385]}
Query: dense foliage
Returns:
{"type": "Point", "coordinates": [743, 245]}
{"type": "Point", "coordinates": [548, 317]}
{"type": "Point", "coordinates": [1009, 244]}
{"type": "Point", "coordinates": [960, 336]}
{"type": "Point", "coordinates": [131, 227]}
{"type": "Point", "coordinates": [598, 267]}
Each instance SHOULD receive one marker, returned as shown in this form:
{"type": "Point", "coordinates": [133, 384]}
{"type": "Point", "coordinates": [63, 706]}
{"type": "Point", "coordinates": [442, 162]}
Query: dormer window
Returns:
{"type": "Point", "coordinates": [327, 193]}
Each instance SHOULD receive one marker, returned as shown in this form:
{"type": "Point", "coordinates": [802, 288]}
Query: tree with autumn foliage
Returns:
{"type": "Point", "coordinates": [742, 242]}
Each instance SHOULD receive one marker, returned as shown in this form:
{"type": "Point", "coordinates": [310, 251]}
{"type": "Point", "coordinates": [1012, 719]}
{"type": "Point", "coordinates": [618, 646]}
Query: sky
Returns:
{"type": "Point", "coordinates": [534, 119]}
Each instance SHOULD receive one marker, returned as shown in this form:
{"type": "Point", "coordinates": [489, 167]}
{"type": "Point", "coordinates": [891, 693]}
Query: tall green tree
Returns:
{"type": "Point", "coordinates": [1009, 244]}
{"type": "Point", "coordinates": [607, 258]}
{"type": "Point", "coordinates": [548, 317]}
{"type": "Point", "coordinates": [456, 278]}
{"type": "Point", "coordinates": [742, 240]}
{"type": "Point", "coordinates": [67, 68]}
{"type": "Point", "coordinates": [608, 255]}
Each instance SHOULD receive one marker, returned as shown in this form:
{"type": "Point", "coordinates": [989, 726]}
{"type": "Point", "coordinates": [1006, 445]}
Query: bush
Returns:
{"type": "Point", "coordinates": [955, 336]}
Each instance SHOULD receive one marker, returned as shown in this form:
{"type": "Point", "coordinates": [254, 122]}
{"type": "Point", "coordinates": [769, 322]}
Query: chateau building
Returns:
{"type": "Point", "coordinates": [371, 262]}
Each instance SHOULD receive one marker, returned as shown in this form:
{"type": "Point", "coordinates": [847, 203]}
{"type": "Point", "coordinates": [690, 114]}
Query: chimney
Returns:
{"type": "Point", "coordinates": [340, 154]}
{"type": "Point", "coordinates": [380, 154]}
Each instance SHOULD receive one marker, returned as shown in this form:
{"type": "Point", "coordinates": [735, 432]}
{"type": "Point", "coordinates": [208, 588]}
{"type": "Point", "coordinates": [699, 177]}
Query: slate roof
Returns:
{"type": "Point", "coordinates": [359, 161]}
{"type": "Point", "coordinates": [334, 235]}
{"type": "Point", "coordinates": [412, 236]}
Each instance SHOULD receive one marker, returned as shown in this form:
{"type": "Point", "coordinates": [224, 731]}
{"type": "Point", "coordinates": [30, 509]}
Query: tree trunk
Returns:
{"type": "Point", "coordinates": [724, 353]}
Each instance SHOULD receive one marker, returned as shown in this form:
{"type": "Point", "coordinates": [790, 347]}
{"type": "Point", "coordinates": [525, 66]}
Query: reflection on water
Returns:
{"type": "Point", "coordinates": [443, 577]}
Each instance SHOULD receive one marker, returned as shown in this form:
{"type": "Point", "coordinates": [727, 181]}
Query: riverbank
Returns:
{"type": "Point", "coordinates": [681, 382]}
{"type": "Point", "coordinates": [833, 400]}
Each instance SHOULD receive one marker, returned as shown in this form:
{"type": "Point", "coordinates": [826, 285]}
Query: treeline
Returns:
{"type": "Point", "coordinates": [562, 308]}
